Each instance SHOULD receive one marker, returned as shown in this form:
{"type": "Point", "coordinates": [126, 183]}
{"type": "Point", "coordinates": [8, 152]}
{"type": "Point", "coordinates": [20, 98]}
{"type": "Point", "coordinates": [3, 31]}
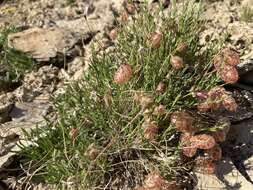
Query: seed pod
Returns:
{"type": "Point", "coordinates": [124, 16]}
{"type": "Point", "coordinates": [153, 181]}
{"type": "Point", "coordinates": [229, 103]}
{"type": "Point", "coordinates": [216, 92]}
{"type": "Point", "coordinates": [205, 165]}
{"type": "Point", "coordinates": [183, 122]}
{"type": "Point", "coordinates": [130, 7]}
{"type": "Point", "coordinates": [203, 141]}
{"type": "Point", "coordinates": [182, 47]}
{"type": "Point", "coordinates": [214, 153]}
{"type": "Point", "coordinates": [215, 97]}
{"type": "Point", "coordinates": [229, 74]}
{"type": "Point", "coordinates": [113, 34]}
{"type": "Point", "coordinates": [92, 152]}
{"type": "Point", "coordinates": [176, 62]}
{"type": "Point", "coordinates": [123, 74]}
{"type": "Point", "coordinates": [159, 110]}
{"type": "Point", "coordinates": [150, 130]}
{"type": "Point", "coordinates": [144, 100]}
{"type": "Point", "coordinates": [204, 106]}
{"type": "Point", "coordinates": [231, 57]}
{"type": "Point", "coordinates": [73, 133]}
{"type": "Point", "coordinates": [160, 88]}
{"type": "Point", "coordinates": [155, 40]}
{"type": "Point", "coordinates": [188, 149]}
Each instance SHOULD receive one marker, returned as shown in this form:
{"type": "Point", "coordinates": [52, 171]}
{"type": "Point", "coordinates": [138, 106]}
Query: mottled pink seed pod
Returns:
{"type": "Point", "coordinates": [183, 122]}
{"type": "Point", "coordinates": [203, 141]}
{"type": "Point", "coordinates": [229, 103]}
{"type": "Point", "coordinates": [204, 106]}
{"type": "Point", "coordinates": [123, 74]}
{"type": "Point", "coordinates": [150, 130]}
{"type": "Point", "coordinates": [231, 57]}
{"type": "Point", "coordinates": [188, 149]}
{"type": "Point", "coordinates": [176, 62]}
{"type": "Point", "coordinates": [113, 34]}
{"type": "Point", "coordinates": [156, 38]}
{"type": "Point", "coordinates": [153, 181]}
{"type": "Point", "coordinates": [229, 74]}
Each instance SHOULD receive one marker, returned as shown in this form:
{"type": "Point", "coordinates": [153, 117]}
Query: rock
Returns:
{"type": "Point", "coordinates": [43, 81]}
{"type": "Point", "coordinates": [43, 44]}
{"type": "Point", "coordinates": [25, 116]}
{"type": "Point", "coordinates": [6, 105]}
{"type": "Point", "coordinates": [245, 71]}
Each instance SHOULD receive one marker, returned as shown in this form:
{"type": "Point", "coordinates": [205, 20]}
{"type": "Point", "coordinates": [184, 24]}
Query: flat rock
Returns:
{"type": "Point", "coordinates": [25, 116]}
{"type": "Point", "coordinates": [43, 44]}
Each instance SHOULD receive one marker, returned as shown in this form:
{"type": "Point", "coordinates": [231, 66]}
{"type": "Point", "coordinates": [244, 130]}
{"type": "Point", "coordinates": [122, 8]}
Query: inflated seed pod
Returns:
{"type": "Point", "coordinates": [205, 165]}
{"type": "Point", "coordinates": [176, 62]}
{"type": "Point", "coordinates": [113, 34]}
{"type": "Point", "coordinates": [204, 106]}
{"type": "Point", "coordinates": [203, 141]}
{"type": "Point", "coordinates": [130, 7]}
{"type": "Point", "coordinates": [216, 92]}
{"type": "Point", "coordinates": [92, 152]}
{"type": "Point", "coordinates": [159, 110]}
{"type": "Point", "coordinates": [182, 47]}
{"type": "Point", "coordinates": [161, 87]}
{"type": "Point", "coordinates": [123, 74]}
{"type": "Point", "coordinates": [229, 74]}
{"type": "Point", "coordinates": [156, 39]}
{"type": "Point", "coordinates": [183, 122]}
{"type": "Point", "coordinates": [153, 181]}
{"type": "Point", "coordinates": [187, 148]}
{"type": "Point", "coordinates": [229, 103]}
{"type": "Point", "coordinates": [124, 16]}
{"type": "Point", "coordinates": [231, 57]}
{"type": "Point", "coordinates": [143, 99]}
{"type": "Point", "coordinates": [150, 130]}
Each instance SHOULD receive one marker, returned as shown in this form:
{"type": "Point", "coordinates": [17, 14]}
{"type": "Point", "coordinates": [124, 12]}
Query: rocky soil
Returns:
{"type": "Point", "coordinates": [63, 30]}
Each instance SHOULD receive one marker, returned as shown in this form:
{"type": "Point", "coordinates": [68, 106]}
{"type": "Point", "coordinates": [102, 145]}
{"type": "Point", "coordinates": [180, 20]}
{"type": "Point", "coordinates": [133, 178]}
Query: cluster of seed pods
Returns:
{"type": "Point", "coordinates": [215, 99]}
{"type": "Point", "coordinates": [192, 141]}
{"type": "Point", "coordinates": [225, 63]}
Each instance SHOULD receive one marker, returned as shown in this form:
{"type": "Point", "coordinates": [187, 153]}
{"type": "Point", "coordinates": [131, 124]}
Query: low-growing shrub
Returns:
{"type": "Point", "coordinates": [142, 115]}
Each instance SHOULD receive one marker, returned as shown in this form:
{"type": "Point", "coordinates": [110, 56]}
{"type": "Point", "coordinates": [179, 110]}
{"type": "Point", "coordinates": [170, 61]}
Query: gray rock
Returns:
{"type": "Point", "coordinates": [25, 116]}
{"type": "Point", "coordinates": [43, 44]}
